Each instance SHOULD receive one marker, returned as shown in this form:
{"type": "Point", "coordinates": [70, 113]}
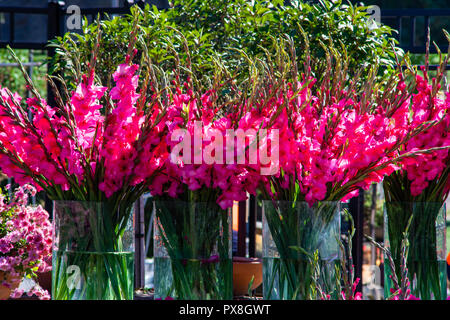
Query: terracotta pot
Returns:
{"type": "Point", "coordinates": [243, 271]}
{"type": "Point", "coordinates": [5, 292]}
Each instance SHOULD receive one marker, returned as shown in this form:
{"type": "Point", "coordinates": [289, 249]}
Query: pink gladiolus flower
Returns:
{"type": "Point", "coordinates": [427, 167]}
{"type": "Point", "coordinates": [398, 293]}
{"type": "Point", "coordinates": [323, 148]}
{"type": "Point", "coordinates": [67, 146]}
{"type": "Point", "coordinates": [355, 295]}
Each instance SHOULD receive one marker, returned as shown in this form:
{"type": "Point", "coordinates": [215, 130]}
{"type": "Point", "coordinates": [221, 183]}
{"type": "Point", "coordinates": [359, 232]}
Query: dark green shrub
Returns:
{"type": "Point", "coordinates": [230, 29]}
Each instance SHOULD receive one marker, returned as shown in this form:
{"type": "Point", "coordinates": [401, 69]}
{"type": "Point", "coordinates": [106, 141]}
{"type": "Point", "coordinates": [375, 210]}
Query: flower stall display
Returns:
{"type": "Point", "coordinates": [301, 142]}
{"type": "Point", "coordinates": [415, 193]}
{"type": "Point", "coordinates": [87, 153]}
{"type": "Point", "coordinates": [304, 149]}
{"type": "Point", "coordinates": [25, 243]}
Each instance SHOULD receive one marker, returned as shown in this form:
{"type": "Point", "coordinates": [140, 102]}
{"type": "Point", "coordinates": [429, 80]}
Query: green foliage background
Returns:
{"type": "Point", "coordinates": [226, 31]}
{"type": "Point", "coordinates": [12, 78]}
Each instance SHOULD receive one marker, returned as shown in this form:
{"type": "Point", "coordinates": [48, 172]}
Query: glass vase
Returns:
{"type": "Point", "coordinates": [426, 263]}
{"type": "Point", "coordinates": [192, 251]}
{"type": "Point", "coordinates": [93, 251]}
{"type": "Point", "coordinates": [300, 249]}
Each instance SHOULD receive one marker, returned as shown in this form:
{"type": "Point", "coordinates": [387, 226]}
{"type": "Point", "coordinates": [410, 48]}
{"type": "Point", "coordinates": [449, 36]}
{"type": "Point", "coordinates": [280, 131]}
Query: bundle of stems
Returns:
{"type": "Point", "coordinates": [196, 249]}
{"type": "Point", "coordinates": [301, 235]}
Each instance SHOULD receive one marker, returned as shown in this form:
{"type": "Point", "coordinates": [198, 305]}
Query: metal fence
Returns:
{"type": "Point", "coordinates": [410, 29]}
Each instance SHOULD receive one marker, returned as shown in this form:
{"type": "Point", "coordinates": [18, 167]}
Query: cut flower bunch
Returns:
{"type": "Point", "coordinates": [94, 153]}
{"type": "Point", "coordinates": [415, 193]}
{"type": "Point", "coordinates": [427, 174]}
{"type": "Point", "coordinates": [86, 149]}
{"type": "Point", "coordinates": [333, 140]}
{"type": "Point", "coordinates": [195, 188]}
{"type": "Point", "coordinates": [191, 202]}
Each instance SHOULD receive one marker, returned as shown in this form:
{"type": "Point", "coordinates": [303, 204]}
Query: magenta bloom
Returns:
{"type": "Point", "coordinates": [77, 147]}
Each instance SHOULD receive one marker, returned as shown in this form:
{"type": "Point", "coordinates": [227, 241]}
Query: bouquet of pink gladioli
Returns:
{"type": "Point", "coordinates": [25, 241]}
{"type": "Point", "coordinates": [330, 140]}
{"type": "Point", "coordinates": [420, 186]}
{"type": "Point", "coordinates": [329, 148]}
{"type": "Point", "coordinates": [427, 175]}
{"type": "Point", "coordinates": [197, 142]}
{"type": "Point", "coordinates": [101, 147]}
{"type": "Point", "coordinates": [90, 148]}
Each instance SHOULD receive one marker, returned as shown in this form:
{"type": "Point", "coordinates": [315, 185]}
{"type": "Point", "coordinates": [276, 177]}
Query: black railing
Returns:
{"type": "Point", "coordinates": [399, 15]}
{"type": "Point", "coordinates": [56, 15]}
{"type": "Point", "coordinates": [413, 15]}
{"type": "Point", "coordinates": [11, 12]}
